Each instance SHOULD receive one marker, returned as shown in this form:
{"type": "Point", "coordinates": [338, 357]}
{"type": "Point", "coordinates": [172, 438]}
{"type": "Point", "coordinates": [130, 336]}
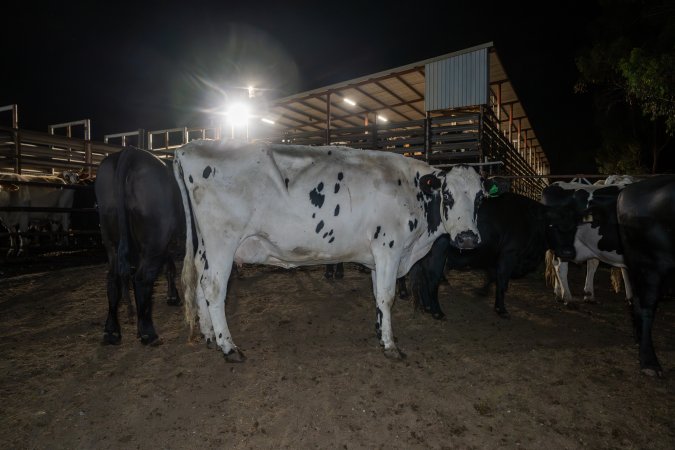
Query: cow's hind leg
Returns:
{"type": "Point", "coordinates": [144, 280]}
{"type": "Point", "coordinates": [651, 289]}
{"type": "Point", "coordinates": [213, 273]}
{"type": "Point", "coordinates": [172, 297]}
{"type": "Point", "coordinates": [112, 333]}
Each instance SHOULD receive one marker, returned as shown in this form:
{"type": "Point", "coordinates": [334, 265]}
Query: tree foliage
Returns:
{"type": "Point", "coordinates": [630, 69]}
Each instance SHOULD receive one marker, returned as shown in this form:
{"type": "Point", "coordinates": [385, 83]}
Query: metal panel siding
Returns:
{"type": "Point", "coordinates": [457, 81]}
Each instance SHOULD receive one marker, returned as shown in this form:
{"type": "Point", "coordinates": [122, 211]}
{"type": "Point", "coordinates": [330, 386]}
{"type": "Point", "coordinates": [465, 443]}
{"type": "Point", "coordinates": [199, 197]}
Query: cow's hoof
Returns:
{"type": "Point", "coordinates": [394, 354]}
{"type": "Point", "coordinates": [328, 276]}
{"type": "Point", "coordinates": [209, 343]}
{"type": "Point", "coordinates": [111, 339]}
{"type": "Point", "coordinates": [150, 339]}
{"type": "Point", "coordinates": [504, 314]}
{"type": "Point", "coordinates": [652, 372]}
{"type": "Point", "coordinates": [235, 356]}
{"type": "Point", "coordinates": [438, 315]}
{"type": "Point", "coordinates": [404, 295]}
{"type": "Point", "coordinates": [174, 301]}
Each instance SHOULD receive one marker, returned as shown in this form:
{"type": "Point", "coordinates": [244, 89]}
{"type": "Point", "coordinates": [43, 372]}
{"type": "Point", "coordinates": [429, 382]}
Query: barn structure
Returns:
{"type": "Point", "coordinates": [459, 107]}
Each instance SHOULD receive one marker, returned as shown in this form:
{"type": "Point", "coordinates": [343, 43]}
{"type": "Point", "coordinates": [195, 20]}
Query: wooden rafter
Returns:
{"type": "Point", "coordinates": [409, 86]}
{"type": "Point", "coordinates": [345, 87]}
{"type": "Point", "coordinates": [323, 112]}
{"type": "Point", "coordinates": [359, 89]}
{"type": "Point", "coordinates": [399, 98]}
{"type": "Point", "coordinates": [302, 113]}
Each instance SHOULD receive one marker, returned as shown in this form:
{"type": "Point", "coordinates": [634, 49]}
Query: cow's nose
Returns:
{"type": "Point", "coordinates": [567, 253]}
{"type": "Point", "coordinates": [466, 240]}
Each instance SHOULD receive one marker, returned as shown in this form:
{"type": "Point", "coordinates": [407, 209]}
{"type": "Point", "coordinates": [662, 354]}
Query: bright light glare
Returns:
{"type": "Point", "coordinates": [238, 114]}
{"type": "Point", "coordinates": [271, 122]}
{"type": "Point", "coordinates": [382, 119]}
{"type": "Point", "coordinates": [251, 92]}
{"type": "Point", "coordinates": [350, 102]}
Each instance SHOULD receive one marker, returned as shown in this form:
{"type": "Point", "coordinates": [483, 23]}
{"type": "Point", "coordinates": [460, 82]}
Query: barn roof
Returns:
{"type": "Point", "coordinates": [397, 94]}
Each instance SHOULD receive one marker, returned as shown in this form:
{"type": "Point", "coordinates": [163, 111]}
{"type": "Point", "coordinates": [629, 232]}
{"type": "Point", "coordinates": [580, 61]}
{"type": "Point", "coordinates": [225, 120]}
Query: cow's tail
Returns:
{"type": "Point", "coordinates": [550, 269]}
{"type": "Point", "coordinates": [615, 277]}
{"type": "Point", "coordinates": [123, 265]}
{"type": "Point", "coordinates": [189, 274]}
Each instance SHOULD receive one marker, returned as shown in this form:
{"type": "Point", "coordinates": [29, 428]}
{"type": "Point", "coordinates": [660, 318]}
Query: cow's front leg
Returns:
{"type": "Point", "coordinates": [213, 282]}
{"type": "Point", "coordinates": [384, 288]}
{"type": "Point", "coordinates": [627, 284]}
{"type": "Point", "coordinates": [591, 267]}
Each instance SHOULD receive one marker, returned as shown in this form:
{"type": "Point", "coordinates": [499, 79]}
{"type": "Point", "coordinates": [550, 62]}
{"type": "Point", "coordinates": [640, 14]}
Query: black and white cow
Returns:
{"type": "Point", "coordinates": [646, 215]}
{"type": "Point", "coordinates": [33, 196]}
{"type": "Point", "coordinates": [140, 214]}
{"type": "Point", "coordinates": [515, 233]}
{"type": "Point", "coordinates": [597, 236]}
{"type": "Point", "coordinates": [297, 205]}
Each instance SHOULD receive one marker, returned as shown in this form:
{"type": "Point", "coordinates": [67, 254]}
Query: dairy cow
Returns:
{"type": "Point", "coordinates": [13, 194]}
{"type": "Point", "coordinates": [140, 214]}
{"type": "Point", "coordinates": [296, 205]}
{"type": "Point", "coordinates": [515, 233]}
{"type": "Point", "coordinates": [646, 216]}
{"type": "Point", "coordinates": [597, 237]}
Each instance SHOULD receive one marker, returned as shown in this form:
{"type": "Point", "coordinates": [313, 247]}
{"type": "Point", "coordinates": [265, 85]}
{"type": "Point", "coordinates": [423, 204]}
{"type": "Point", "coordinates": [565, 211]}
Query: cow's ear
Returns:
{"type": "Point", "coordinates": [429, 183]}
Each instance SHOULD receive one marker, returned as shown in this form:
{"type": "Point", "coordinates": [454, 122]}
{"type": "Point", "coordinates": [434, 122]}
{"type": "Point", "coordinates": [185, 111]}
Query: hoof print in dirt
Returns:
{"type": "Point", "coordinates": [571, 305]}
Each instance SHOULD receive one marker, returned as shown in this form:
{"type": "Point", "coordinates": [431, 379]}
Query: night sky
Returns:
{"type": "Point", "coordinates": [161, 65]}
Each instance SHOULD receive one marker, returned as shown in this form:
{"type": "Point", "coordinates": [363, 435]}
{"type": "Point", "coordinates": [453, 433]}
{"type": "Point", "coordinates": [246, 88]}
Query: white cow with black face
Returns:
{"type": "Point", "coordinates": [291, 206]}
{"type": "Point", "coordinates": [597, 238]}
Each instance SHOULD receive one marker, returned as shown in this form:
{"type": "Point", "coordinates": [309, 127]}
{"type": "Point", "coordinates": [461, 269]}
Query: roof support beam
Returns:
{"type": "Point", "coordinates": [399, 98]}
{"type": "Point", "coordinates": [302, 113]}
{"type": "Point", "coordinates": [304, 103]}
{"type": "Point", "coordinates": [360, 90]}
{"type": "Point", "coordinates": [409, 86]}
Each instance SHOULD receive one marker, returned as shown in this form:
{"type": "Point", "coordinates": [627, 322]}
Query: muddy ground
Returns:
{"type": "Point", "coordinates": [550, 377]}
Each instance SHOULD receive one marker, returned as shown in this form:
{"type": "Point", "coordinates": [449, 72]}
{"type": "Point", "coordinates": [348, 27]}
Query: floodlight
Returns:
{"type": "Point", "coordinates": [271, 122]}
{"type": "Point", "coordinates": [238, 114]}
{"type": "Point", "coordinates": [382, 119]}
{"type": "Point", "coordinates": [350, 101]}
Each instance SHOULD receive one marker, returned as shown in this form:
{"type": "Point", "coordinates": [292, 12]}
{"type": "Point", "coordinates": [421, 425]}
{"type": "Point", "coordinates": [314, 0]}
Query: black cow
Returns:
{"type": "Point", "coordinates": [515, 233]}
{"type": "Point", "coordinates": [646, 214]}
{"type": "Point", "coordinates": [84, 225]}
{"type": "Point", "coordinates": [140, 212]}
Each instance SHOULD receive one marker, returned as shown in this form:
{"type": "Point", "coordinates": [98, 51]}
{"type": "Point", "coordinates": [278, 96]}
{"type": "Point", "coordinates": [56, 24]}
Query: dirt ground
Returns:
{"type": "Point", "coordinates": [550, 377]}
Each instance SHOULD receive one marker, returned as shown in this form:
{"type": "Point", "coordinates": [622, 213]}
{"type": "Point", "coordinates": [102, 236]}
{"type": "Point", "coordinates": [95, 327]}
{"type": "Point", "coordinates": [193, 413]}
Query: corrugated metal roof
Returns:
{"type": "Point", "coordinates": [397, 94]}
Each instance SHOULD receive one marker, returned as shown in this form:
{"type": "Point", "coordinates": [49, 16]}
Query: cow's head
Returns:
{"type": "Point", "coordinates": [561, 228]}
{"type": "Point", "coordinates": [461, 192]}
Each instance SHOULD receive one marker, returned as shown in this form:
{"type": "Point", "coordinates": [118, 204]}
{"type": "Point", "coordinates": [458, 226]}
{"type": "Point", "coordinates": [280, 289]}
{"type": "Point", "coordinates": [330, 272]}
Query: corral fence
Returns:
{"type": "Point", "coordinates": [458, 137]}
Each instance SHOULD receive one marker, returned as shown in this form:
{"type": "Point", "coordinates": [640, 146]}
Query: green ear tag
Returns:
{"type": "Point", "coordinates": [494, 190]}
